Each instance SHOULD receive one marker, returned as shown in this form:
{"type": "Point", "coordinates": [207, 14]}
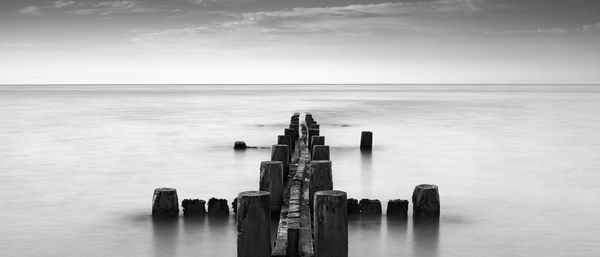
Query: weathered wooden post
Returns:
{"type": "Point", "coordinates": [426, 202]}
{"type": "Point", "coordinates": [271, 180]}
{"type": "Point", "coordinates": [317, 140]}
{"type": "Point", "coordinates": [165, 203]}
{"type": "Point", "coordinates": [218, 207]}
{"type": "Point", "coordinates": [239, 145]}
{"type": "Point", "coordinates": [366, 140]}
{"type": "Point", "coordinates": [353, 207]}
{"type": "Point", "coordinates": [397, 208]}
{"type": "Point", "coordinates": [285, 140]}
{"type": "Point", "coordinates": [281, 153]}
{"type": "Point", "coordinates": [320, 152]}
{"type": "Point", "coordinates": [290, 133]}
{"type": "Point", "coordinates": [253, 224]}
{"type": "Point", "coordinates": [330, 224]}
{"type": "Point", "coordinates": [295, 128]}
{"type": "Point", "coordinates": [321, 178]}
{"type": "Point", "coordinates": [370, 207]}
{"type": "Point", "coordinates": [193, 207]}
{"type": "Point", "coordinates": [311, 133]}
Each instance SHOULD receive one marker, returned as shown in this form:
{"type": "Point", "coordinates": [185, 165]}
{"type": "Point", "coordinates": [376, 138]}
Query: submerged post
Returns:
{"type": "Point", "coordinates": [281, 153]}
{"type": "Point", "coordinates": [320, 152]}
{"type": "Point", "coordinates": [253, 224]}
{"type": "Point", "coordinates": [271, 180]}
{"type": "Point", "coordinates": [366, 140]}
{"type": "Point", "coordinates": [426, 202]}
{"type": "Point", "coordinates": [331, 224]}
{"type": "Point", "coordinates": [165, 203]}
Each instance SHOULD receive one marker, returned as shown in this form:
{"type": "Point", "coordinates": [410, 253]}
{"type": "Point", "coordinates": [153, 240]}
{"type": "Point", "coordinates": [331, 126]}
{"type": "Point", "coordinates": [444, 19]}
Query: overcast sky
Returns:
{"type": "Point", "coordinates": [300, 41]}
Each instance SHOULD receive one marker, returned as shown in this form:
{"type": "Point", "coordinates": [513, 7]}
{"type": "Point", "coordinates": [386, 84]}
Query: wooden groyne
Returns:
{"type": "Point", "coordinates": [296, 189]}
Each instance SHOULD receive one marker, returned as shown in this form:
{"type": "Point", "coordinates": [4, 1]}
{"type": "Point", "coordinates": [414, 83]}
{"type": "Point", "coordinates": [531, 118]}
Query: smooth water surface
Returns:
{"type": "Point", "coordinates": [517, 166]}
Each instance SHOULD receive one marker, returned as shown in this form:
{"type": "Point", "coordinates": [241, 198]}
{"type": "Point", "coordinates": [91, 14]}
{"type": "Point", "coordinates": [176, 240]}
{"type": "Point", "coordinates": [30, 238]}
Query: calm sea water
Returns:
{"type": "Point", "coordinates": [517, 166]}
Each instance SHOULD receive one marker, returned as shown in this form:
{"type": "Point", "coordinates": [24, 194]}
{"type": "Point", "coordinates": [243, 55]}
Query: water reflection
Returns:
{"type": "Point", "coordinates": [425, 237]}
{"type": "Point", "coordinates": [165, 236]}
{"type": "Point", "coordinates": [366, 160]}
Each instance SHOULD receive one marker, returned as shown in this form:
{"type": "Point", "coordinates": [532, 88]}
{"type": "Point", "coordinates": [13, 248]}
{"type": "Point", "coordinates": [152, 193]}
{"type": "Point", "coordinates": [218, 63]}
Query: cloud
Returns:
{"type": "Point", "coordinates": [32, 10]}
{"type": "Point", "coordinates": [535, 31]}
{"type": "Point", "coordinates": [258, 28]}
{"type": "Point", "coordinates": [583, 28]}
{"type": "Point", "coordinates": [97, 8]}
{"type": "Point", "coordinates": [387, 19]}
{"type": "Point", "coordinates": [62, 4]}
{"type": "Point", "coordinates": [588, 27]}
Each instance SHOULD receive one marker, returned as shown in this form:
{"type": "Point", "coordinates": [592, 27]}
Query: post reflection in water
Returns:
{"type": "Point", "coordinates": [165, 236]}
{"type": "Point", "coordinates": [366, 160]}
{"type": "Point", "coordinates": [219, 237]}
{"type": "Point", "coordinates": [425, 237]}
{"type": "Point", "coordinates": [366, 169]}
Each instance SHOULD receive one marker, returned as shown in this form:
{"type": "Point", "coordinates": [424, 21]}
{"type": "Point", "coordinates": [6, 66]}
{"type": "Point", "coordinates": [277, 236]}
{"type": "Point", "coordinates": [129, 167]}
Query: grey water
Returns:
{"type": "Point", "coordinates": [518, 166]}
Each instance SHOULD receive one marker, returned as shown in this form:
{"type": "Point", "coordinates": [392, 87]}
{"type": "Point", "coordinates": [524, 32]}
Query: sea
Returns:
{"type": "Point", "coordinates": [517, 166]}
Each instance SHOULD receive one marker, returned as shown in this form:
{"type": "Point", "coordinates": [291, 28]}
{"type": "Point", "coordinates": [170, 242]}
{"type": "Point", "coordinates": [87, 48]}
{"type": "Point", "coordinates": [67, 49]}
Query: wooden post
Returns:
{"type": "Point", "coordinates": [193, 207]}
{"type": "Point", "coordinates": [239, 145]}
{"type": "Point", "coordinates": [271, 180]}
{"type": "Point", "coordinates": [290, 133]}
{"type": "Point", "coordinates": [253, 224]}
{"type": "Point", "coordinates": [370, 207]}
{"type": "Point", "coordinates": [295, 128]}
{"type": "Point", "coordinates": [311, 132]}
{"type": "Point", "coordinates": [366, 140]}
{"type": "Point", "coordinates": [165, 203]}
{"type": "Point", "coordinates": [397, 208]}
{"type": "Point", "coordinates": [285, 140]}
{"type": "Point", "coordinates": [353, 207]}
{"type": "Point", "coordinates": [331, 224]}
{"type": "Point", "coordinates": [317, 140]}
{"type": "Point", "coordinates": [426, 202]}
{"type": "Point", "coordinates": [218, 207]}
{"type": "Point", "coordinates": [320, 152]}
{"type": "Point", "coordinates": [321, 178]}
{"type": "Point", "coordinates": [281, 153]}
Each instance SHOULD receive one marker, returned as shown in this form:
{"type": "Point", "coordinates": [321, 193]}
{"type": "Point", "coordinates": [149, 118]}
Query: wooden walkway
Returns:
{"type": "Point", "coordinates": [294, 234]}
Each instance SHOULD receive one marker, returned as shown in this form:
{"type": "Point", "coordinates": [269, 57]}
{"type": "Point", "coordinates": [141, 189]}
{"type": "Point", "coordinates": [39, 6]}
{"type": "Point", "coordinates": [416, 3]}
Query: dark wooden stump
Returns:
{"type": "Point", "coordinates": [331, 224]}
{"type": "Point", "coordinates": [321, 178]}
{"type": "Point", "coordinates": [366, 140]}
{"type": "Point", "coordinates": [165, 203]}
{"type": "Point", "coordinates": [253, 224]}
{"type": "Point", "coordinates": [370, 207]}
{"type": "Point", "coordinates": [193, 207]}
{"type": "Point", "coordinates": [320, 152]}
{"type": "Point", "coordinates": [397, 208]}
{"type": "Point", "coordinates": [426, 202]}
{"type": "Point", "coordinates": [353, 207]}
{"type": "Point", "coordinates": [239, 145]}
{"type": "Point", "coordinates": [316, 140]}
{"type": "Point", "coordinates": [217, 207]}
{"type": "Point", "coordinates": [271, 180]}
{"type": "Point", "coordinates": [281, 153]}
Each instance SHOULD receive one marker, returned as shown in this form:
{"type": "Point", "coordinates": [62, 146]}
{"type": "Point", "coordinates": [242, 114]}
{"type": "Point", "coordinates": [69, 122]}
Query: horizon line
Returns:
{"type": "Point", "coordinates": [298, 84]}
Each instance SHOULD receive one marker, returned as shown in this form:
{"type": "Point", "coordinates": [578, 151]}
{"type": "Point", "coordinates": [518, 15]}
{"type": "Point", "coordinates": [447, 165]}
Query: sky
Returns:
{"type": "Point", "coordinates": [299, 41]}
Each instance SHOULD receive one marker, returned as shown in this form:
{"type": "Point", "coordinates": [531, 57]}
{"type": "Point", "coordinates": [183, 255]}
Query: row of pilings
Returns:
{"type": "Point", "coordinates": [299, 172]}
